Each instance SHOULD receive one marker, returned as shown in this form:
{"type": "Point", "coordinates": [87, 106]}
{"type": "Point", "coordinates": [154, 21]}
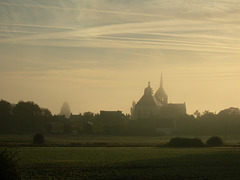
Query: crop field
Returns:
{"type": "Point", "coordinates": [70, 140]}
{"type": "Point", "coordinates": [91, 157]}
{"type": "Point", "coordinates": [128, 163]}
{"type": "Point", "coordinates": [114, 141]}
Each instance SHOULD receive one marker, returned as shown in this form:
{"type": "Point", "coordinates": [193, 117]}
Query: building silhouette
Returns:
{"type": "Point", "coordinates": [156, 105]}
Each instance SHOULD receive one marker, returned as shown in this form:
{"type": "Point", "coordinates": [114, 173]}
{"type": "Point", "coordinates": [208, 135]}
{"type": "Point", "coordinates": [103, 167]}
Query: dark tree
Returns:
{"type": "Point", "coordinates": [230, 119]}
{"type": "Point", "coordinates": [88, 116]}
{"type": "Point", "coordinates": [214, 141]}
{"type": "Point", "coordinates": [26, 114]}
{"type": "Point", "coordinates": [185, 142]}
{"type": "Point", "coordinates": [5, 116]}
{"type": "Point", "coordinates": [29, 117]}
{"type": "Point", "coordinates": [38, 139]}
{"type": "Point", "coordinates": [8, 165]}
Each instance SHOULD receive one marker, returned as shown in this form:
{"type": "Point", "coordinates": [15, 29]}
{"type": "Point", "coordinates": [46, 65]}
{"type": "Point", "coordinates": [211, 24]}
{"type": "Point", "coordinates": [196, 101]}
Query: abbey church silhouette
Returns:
{"type": "Point", "coordinates": [156, 105]}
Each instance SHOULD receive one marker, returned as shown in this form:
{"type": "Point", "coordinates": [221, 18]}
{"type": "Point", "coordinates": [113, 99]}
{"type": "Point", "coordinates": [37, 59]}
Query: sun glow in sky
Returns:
{"type": "Point", "coordinates": [100, 54]}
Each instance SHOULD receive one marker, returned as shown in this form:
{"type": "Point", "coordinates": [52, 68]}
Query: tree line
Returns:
{"type": "Point", "coordinates": [226, 122]}
{"type": "Point", "coordinates": [28, 117]}
{"type": "Point", "coordinates": [23, 117]}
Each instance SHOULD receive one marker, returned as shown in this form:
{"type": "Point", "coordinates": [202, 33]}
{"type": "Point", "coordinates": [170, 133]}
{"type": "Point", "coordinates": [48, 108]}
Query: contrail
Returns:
{"type": "Point", "coordinates": [40, 26]}
{"type": "Point", "coordinates": [82, 9]}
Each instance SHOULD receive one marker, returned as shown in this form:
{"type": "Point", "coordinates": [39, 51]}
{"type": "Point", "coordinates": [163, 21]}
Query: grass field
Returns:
{"type": "Point", "coordinates": [70, 140]}
{"type": "Point", "coordinates": [128, 163]}
{"type": "Point", "coordinates": [115, 141]}
{"type": "Point", "coordinates": [121, 158]}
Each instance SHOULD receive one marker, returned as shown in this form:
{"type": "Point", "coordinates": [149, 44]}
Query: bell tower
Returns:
{"type": "Point", "coordinates": [160, 94]}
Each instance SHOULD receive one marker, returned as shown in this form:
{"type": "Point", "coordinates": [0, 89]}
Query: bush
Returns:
{"type": "Point", "coordinates": [38, 138]}
{"type": "Point", "coordinates": [214, 141]}
{"type": "Point", "coordinates": [185, 142]}
{"type": "Point", "coordinates": [8, 165]}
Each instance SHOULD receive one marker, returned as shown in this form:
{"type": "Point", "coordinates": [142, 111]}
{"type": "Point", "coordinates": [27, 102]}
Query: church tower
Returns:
{"type": "Point", "coordinates": [160, 94]}
{"type": "Point", "coordinates": [146, 106]}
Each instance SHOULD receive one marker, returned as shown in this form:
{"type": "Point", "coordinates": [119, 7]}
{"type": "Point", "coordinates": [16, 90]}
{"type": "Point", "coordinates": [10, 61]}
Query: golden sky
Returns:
{"type": "Point", "coordinates": [100, 54]}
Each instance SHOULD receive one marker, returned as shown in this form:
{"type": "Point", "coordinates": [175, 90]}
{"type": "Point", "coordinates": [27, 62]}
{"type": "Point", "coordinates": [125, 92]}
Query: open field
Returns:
{"type": "Point", "coordinates": [110, 141]}
{"type": "Point", "coordinates": [128, 163]}
{"type": "Point", "coordinates": [71, 140]}
{"type": "Point", "coordinates": [85, 141]}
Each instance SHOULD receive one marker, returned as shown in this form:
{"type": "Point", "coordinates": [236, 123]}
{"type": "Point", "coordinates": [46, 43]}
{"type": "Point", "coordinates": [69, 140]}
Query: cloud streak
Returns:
{"type": "Point", "coordinates": [118, 46]}
{"type": "Point", "coordinates": [180, 33]}
{"type": "Point", "coordinates": [117, 36]}
{"type": "Point", "coordinates": [80, 9]}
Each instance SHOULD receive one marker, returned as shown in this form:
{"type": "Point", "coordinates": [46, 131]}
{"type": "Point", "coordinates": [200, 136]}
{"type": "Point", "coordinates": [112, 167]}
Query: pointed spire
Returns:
{"type": "Point", "coordinates": [148, 83]}
{"type": "Point", "coordinates": [161, 81]}
{"type": "Point", "coordinates": [161, 95]}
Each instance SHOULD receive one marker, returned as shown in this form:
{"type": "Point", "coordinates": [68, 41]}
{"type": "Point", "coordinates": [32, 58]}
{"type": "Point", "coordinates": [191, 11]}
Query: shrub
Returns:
{"type": "Point", "coordinates": [38, 138]}
{"type": "Point", "coordinates": [185, 142]}
{"type": "Point", "coordinates": [8, 165]}
{"type": "Point", "coordinates": [214, 141]}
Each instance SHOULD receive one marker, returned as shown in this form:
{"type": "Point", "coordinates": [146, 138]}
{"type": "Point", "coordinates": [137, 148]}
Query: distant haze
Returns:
{"type": "Point", "coordinates": [100, 55]}
{"type": "Point", "coordinates": [65, 110]}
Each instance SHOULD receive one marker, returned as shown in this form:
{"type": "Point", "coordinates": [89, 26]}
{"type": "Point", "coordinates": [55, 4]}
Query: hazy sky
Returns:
{"type": "Point", "coordinates": [100, 54]}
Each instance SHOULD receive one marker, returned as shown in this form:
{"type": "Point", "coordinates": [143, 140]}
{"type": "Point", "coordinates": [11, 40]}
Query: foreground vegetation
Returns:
{"type": "Point", "coordinates": [128, 163]}
{"type": "Point", "coordinates": [108, 157]}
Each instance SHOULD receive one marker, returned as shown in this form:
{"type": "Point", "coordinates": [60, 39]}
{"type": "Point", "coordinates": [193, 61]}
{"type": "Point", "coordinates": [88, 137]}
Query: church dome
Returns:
{"type": "Point", "coordinates": [160, 93]}
{"type": "Point", "coordinates": [147, 98]}
{"type": "Point", "coordinates": [148, 90]}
